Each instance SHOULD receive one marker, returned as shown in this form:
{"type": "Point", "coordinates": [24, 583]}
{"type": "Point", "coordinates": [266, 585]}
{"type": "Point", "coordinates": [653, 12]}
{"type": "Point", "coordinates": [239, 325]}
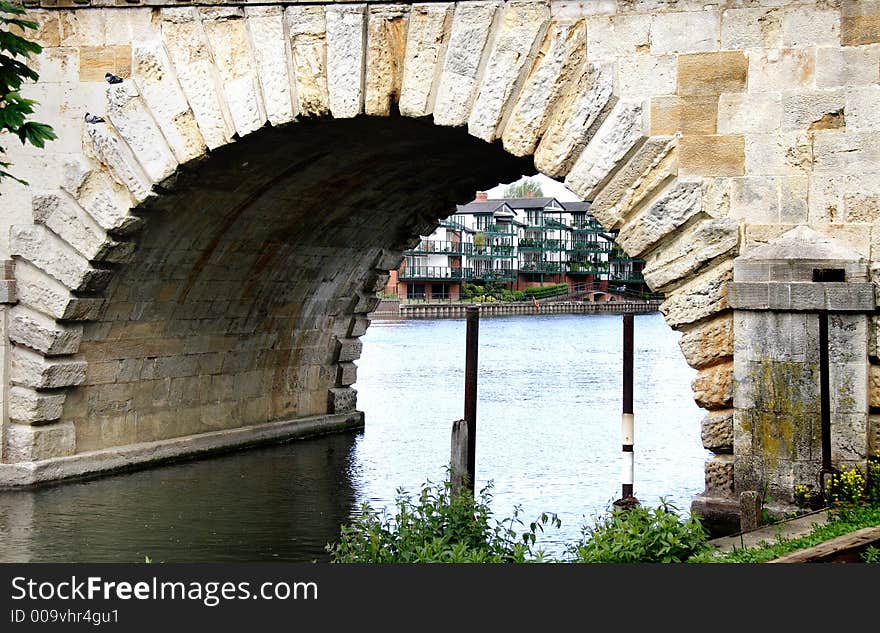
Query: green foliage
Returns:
{"type": "Point", "coordinates": [641, 535]}
{"type": "Point", "coordinates": [522, 189]}
{"type": "Point", "coordinates": [846, 488]}
{"type": "Point", "coordinates": [15, 50]}
{"type": "Point", "coordinates": [805, 497]}
{"type": "Point", "coordinates": [871, 555]}
{"type": "Point", "coordinates": [545, 291]}
{"type": "Point", "coordinates": [842, 521]}
{"type": "Point", "coordinates": [872, 485]}
{"type": "Point", "coordinates": [439, 527]}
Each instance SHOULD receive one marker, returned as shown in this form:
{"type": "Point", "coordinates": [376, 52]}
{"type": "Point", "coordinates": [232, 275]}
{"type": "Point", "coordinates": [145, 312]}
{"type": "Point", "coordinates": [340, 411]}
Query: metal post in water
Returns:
{"type": "Point", "coordinates": [470, 390]}
{"type": "Point", "coordinates": [627, 419]}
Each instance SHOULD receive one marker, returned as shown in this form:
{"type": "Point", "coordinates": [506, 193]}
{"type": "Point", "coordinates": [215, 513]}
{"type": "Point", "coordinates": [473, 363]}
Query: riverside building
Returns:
{"type": "Point", "coordinates": [520, 243]}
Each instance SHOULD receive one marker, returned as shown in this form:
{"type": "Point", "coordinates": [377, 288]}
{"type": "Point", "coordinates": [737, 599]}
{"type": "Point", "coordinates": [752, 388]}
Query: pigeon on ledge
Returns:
{"type": "Point", "coordinates": [113, 79]}
{"type": "Point", "coordinates": [91, 118]}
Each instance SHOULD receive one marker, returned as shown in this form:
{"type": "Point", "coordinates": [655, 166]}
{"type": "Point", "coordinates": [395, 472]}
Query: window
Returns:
{"type": "Point", "coordinates": [415, 291]}
{"type": "Point", "coordinates": [439, 291]}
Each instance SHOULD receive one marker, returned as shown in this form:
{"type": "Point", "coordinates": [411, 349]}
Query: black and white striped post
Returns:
{"type": "Point", "coordinates": [627, 419]}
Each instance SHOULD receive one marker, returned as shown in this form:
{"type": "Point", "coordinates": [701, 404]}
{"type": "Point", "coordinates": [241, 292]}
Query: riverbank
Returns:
{"type": "Point", "coordinates": [394, 309]}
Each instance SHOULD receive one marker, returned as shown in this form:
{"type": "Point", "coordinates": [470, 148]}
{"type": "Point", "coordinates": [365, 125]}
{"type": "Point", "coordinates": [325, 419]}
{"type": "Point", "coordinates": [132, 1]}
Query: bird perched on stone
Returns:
{"type": "Point", "coordinates": [91, 118]}
{"type": "Point", "coordinates": [112, 79]}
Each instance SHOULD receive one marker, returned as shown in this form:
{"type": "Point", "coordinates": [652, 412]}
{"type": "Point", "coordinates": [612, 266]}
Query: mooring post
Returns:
{"type": "Point", "coordinates": [627, 419]}
{"type": "Point", "coordinates": [470, 390]}
{"type": "Point", "coordinates": [459, 457]}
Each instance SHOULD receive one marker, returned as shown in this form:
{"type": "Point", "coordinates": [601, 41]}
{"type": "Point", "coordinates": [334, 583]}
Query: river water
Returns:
{"type": "Point", "coordinates": [548, 439]}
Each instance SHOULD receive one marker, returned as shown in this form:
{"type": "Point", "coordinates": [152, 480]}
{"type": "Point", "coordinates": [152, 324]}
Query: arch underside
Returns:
{"type": "Point", "coordinates": [252, 281]}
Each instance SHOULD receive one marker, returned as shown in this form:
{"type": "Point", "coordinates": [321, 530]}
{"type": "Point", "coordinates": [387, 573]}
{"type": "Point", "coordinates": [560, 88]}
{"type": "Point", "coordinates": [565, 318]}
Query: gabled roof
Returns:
{"type": "Point", "coordinates": [526, 203]}
{"type": "Point", "coordinates": [576, 207]}
{"type": "Point", "coordinates": [489, 206]}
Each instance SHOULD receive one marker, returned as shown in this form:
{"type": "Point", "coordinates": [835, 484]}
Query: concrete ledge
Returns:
{"type": "Point", "coordinates": [134, 456]}
{"type": "Point", "coordinates": [801, 296]}
{"type": "Point", "coordinates": [719, 515]}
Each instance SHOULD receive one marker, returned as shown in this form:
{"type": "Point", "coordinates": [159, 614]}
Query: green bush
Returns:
{"type": "Point", "coordinates": [438, 527]}
{"type": "Point", "coordinates": [641, 535]}
{"type": "Point", "coordinates": [545, 291]}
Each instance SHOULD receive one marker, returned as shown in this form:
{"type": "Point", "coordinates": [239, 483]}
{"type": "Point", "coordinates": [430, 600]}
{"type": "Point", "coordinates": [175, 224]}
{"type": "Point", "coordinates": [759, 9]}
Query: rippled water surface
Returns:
{"type": "Point", "coordinates": [548, 438]}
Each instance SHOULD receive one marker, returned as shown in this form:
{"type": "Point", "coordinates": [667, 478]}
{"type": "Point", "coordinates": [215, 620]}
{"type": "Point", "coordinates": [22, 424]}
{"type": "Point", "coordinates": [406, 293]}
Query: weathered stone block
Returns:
{"type": "Point", "coordinates": [749, 113]}
{"type": "Point", "coordinates": [96, 61]}
{"type": "Point", "coordinates": [48, 252]}
{"type": "Point", "coordinates": [708, 342]}
{"type": "Point", "coordinates": [617, 36]}
{"type": "Point", "coordinates": [342, 400]}
{"type": "Point", "coordinates": [426, 40]}
{"type": "Point", "coordinates": [719, 476]}
{"type": "Point", "coordinates": [521, 24]}
{"type": "Point", "coordinates": [856, 66]}
{"type": "Point", "coordinates": [616, 137]}
{"type": "Point", "coordinates": [713, 387]}
{"type": "Point", "coordinates": [266, 27]}
{"type": "Point", "coordinates": [860, 22]}
{"type": "Point", "coordinates": [814, 110]}
{"type": "Point", "coordinates": [810, 26]}
{"type": "Point", "coordinates": [849, 440]}
{"type": "Point", "coordinates": [751, 28]}
{"type": "Point", "coordinates": [570, 127]}
{"type": "Point", "coordinates": [700, 298]}
{"type": "Point", "coordinates": [384, 57]}
{"type": "Point", "coordinates": [688, 115]}
{"type": "Point", "coordinates": [678, 204]}
{"type": "Point", "coordinates": [781, 69]}
{"type": "Point", "coordinates": [646, 76]}
{"type": "Point", "coordinates": [685, 32]}
{"type": "Point", "coordinates": [346, 375]}
{"type": "Point", "coordinates": [30, 369]}
{"type": "Point", "coordinates": [26, 443]}
{"type": "Point", "coordinates": [680, 257]}
{"type": "Point", "coordinates": [349, 349]}
{"type": "Point", "coordinates": [35, 330]}
{"type": "Point", "coordinates": [711, 155]}
{"type": "Point", "coordinates": [717, 431]}
{"type": "Point", "coordinates": [31, 407]}
{"type": "Point", "coordinates": [471, 26]}
{"type": "Point", "coordinates": [307, 30]}
{"type": "Point", "coordinates": [561, 53]}
{"type": "Point", "coordinates": [653, 164]}
{"type": "Point", "coordinates": [712, 73]}
{"type": "Point", "coordinates": [874, 435]}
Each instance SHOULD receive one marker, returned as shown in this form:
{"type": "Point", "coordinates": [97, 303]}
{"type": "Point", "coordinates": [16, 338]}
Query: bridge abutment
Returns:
{"type": "Point", "coordinates": [211, 251]}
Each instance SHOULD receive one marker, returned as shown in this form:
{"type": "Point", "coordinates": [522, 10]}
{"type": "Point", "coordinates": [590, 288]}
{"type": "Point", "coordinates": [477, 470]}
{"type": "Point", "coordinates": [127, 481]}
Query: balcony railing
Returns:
{"type": "Point", "coordinates": [531, 244]}
{"type": "Point", "coordinates": [441, 247]}
{"type": "Point", "coordinates": [591, 247]}
{"type": "Point", "coordinates": [542, 267]}
{"type": "Point", "coordinates": [437, 272]}
{"type": "Point", "coordinates": [497, 274]}
{"type": "Point", "coordinates": [492, 250]}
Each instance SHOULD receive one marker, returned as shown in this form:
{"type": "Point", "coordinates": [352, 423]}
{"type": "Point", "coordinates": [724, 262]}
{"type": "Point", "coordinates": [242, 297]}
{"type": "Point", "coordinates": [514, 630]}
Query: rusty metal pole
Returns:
{"type": "Point", "coordinates": [470, 390]}
{"type": "Point", "coordinates": [824, 398]}
{"type": "Point", "coordinates": [627, 418]}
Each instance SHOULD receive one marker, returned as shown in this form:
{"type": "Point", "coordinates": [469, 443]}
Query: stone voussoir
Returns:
{"type": "Point", "coordinates": [30, 369]}
{"type": "Point", "coordinates": [33, 407]}
{"type": "Point", "coordinates": [41, 333]}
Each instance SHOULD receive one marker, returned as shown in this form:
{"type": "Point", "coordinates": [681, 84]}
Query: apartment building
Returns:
{"type": "Point", "coordinates": [520, 242]}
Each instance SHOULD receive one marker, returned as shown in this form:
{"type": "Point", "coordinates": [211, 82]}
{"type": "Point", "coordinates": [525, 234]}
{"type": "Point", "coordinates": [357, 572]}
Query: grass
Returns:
{"type": "Point", "coordinates": [843, 521]}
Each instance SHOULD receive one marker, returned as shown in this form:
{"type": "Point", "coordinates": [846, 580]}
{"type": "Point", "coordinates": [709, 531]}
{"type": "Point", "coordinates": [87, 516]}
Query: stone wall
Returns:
{"type": "Point", "coordinates": [699, 129]}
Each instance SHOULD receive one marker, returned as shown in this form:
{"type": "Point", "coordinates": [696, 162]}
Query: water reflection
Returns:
{"type": "Point", "coordinates": [276, 503]}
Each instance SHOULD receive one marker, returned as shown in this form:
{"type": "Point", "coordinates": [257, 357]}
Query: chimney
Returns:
{"type": "Point", "coordinates": [530, 194]}
{"type": "Point", "coordinates": [482, 196]}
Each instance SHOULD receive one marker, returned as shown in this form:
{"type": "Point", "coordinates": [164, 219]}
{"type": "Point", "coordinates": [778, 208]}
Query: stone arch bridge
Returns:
{"type": "Point", "coordinates": [195, 272]}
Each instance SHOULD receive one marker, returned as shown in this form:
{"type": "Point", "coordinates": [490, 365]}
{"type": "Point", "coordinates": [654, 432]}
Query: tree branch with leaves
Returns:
{"type": "Point", "coordinates": [15, 52]}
